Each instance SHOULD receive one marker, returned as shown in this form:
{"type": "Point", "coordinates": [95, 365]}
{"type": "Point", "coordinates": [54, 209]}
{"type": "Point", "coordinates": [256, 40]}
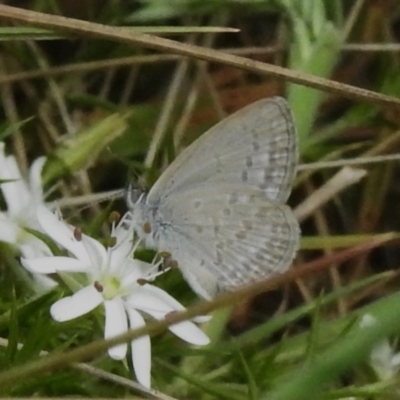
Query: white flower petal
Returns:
{"type": "Point", "coordinates": [141, 350]}
{"type": "Point", "coordinates": [396, 360]}
{"type": "Point", "coordinates": [168, 299]}
{"type": "Point", "coordinates": [136, 269]}
{"type": "Point", "coordinates": [2, 152]}
{"type": "Point", "coordinates": [382, 352]}
{"type": "Point", "coordinates": [150, 298]}
{"type": "Point", "coordinates": [61, 233]}
{"type": "Point", "coordinates": [35, 179]}
{"type": "Point", "coordinates": [185, 330]}
{"type": "Point", "coordinates": [367, 320]}
{"type": "Point", "coordinates": [121, 252]}
{"type": "Point", "coordinates": [78, 304]}
{"type": "Point", "coordinates": [44, 281]}
{"type": "Point", "coordinates": [96, 252]}
{"type": "Point", "coordinates": [116, 324]}
{"type": "Point", "coordinates": [9, 229]}
{"type": "Point", "coordinates": [33, 247]}
{"type": "Point", "coordinates": [16, 193]}
{"type": "Point", "coordinates": [202, 319]}
{"type": "Point", "coordinates": [381, 360]}
{"type": "Point", "coordinates": [146, 300]}
{"type": "Point", "coordinates": [164, 297]}
{"type": "Point", "coordinates": [190, 333]}
{"type": "Point", "coordinates": [50, 265]}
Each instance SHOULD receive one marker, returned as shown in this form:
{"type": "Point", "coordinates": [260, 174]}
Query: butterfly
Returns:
{"type": "Point", "coordinates": [219, 209]}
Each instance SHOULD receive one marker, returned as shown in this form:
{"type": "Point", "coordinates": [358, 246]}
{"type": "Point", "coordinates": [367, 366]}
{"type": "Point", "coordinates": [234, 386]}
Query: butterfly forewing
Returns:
{"type": "Point", "coordinates": [256, 147]}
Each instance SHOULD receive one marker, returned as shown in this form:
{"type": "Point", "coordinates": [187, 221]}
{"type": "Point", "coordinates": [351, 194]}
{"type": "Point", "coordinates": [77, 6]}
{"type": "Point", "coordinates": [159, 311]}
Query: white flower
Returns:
{"type": "Point", "coordinates": [384, 361]}
{"type": "Point", "coordinates": [21, 197]}
{"type": "Point", "coordinates": [115, 280]}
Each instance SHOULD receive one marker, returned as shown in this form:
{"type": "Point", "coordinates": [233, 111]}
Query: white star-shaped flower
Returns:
{"type": "Point", "coordinates": [383, 359]}
{"type": "Point", "coordinates": [115, 280]}
{"type": "Point", "coordinates": [21, 197]}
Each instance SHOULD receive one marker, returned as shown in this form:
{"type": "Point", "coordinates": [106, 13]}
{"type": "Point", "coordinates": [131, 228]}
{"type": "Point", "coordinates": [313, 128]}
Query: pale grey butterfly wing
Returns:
{"type": "Point", "coordinates": [226, 236]}
{"type": "Point", "coordinates": [218, 208]}
{"type": "Point", "coordinates": [256, 146]}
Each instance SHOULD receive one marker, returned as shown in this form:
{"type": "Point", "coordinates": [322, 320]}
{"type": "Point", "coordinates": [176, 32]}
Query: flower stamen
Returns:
{"type": "Point", "coordinates": [98, 286]}
{"type": "Point", "coordinates": [78, 234]}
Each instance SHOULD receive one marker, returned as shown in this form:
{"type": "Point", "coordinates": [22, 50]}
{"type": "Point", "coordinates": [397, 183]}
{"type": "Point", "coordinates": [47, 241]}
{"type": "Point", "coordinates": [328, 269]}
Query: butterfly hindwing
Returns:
{"type": "Point", "coordinates": [222, 239]}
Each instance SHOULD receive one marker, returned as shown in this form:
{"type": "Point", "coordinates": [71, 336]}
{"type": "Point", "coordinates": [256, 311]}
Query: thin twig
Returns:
{"type": "Point", "coordinates": [162, 44]}
{"type": "Point", "coordinates": [162, 58]}
{"type": "Point", "coordinates": [352, 18]}
{"type": "Point", "coordinates": [348, 162]}
{"type": "Point", "coordinates": [11, 112]}
{"type": "Point", "coordinates": [55, 90]}
{"type": "Point", "coordinates": [345, 177]}
{"type": "Point", "coordinates": [166, 112]}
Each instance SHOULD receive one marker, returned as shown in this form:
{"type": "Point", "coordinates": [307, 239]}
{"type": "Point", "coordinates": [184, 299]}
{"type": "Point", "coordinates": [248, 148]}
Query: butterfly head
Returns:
{"type": "Point", "coordinates": [134, 195]}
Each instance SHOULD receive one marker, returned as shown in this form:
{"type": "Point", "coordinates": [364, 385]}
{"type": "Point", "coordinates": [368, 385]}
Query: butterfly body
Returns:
{"type": "Point", "coordinates": [219, 208]}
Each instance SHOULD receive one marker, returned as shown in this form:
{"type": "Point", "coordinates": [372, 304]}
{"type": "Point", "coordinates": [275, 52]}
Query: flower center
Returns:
{"type": "Point", "coordinates": [109, 287]}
